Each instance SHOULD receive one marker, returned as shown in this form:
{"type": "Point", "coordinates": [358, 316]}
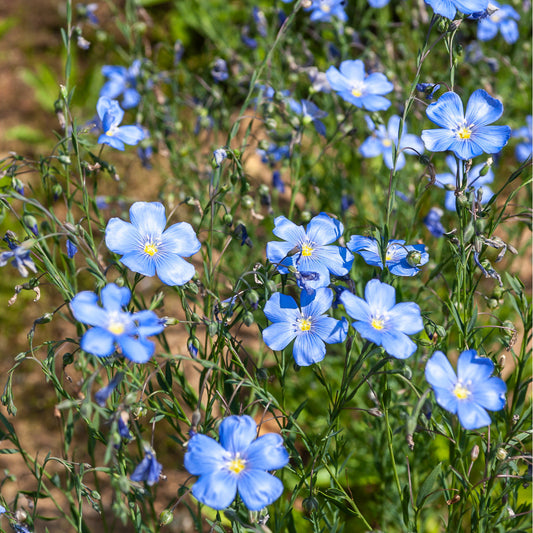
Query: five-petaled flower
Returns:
{"type": "Point", "coordinates": [471, 392]}
{"type": "Point", "coordinates": [239, 463]}
{"type": "Point", "coordinates": [149, 469]}
{"type": "Point", "coordinates": [448, 8]}
{"type": "Point", "coordinates": [352, 85]}
{"type": "Point", "coordinates": [112, 325]}
{"type": "Point", "coordinates": [309, 113]}
{"type": "Point", "coordinates": [313, 252]}
{"type": "Point", "coordinates": [474, 180]}
{"type": "Point", "coordinates": [382, 141]}
{"type": "Point", "coordinates": [308, 326]}
{"type": "Point", "coordinates": [122, 81]}
{"type": "Point", "coordinates": [401, 259]}
{"type": "Point", "coordinates": [501, 18]}
{"type": "Point", "coordinates": [382, 321]}
{"type": "Point", "coordinates": [323, 10]}
{"type": "Point", "coordinates": [467, 135]}
{"type": "Point", "coordinates": [149, 249]}
{"type": "Point", "coordinates": [111, 115]}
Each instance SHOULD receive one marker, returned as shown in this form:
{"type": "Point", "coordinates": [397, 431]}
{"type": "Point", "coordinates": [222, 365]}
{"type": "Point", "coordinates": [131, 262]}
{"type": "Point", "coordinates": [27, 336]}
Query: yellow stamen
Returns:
{"type": "Point", "coordinates": [356, 92]}
{"type": "Point", "coordinates": [460, 391]}
{"type": "Point", "coordinates": [117, 328]}
{"type": "Point", "coordinates": [377, 323]}
{"type": "Point", "coordinates": [464, 133]}
{"type": "Point", "coordinates": [236, 465]}
{"type": "Point", "coordinates": [307, 250]}
{"type": "Point", "coordinates": [386, 142]}
{"type": "Point", "coordinates": [388, 257]}
{"type": "Point", "coordinates": [325, 8]}
{"type": "Point", "coordinates": [150, 248]}
{"type": "Point", "coordinates": [304, 324]}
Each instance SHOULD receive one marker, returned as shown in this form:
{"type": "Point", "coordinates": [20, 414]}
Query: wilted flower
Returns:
{"type": "Point", "coordinates": [122, 81]}
{"type": "Point", "coordinates": [310, 113]}
{"type": "Point", "coordinates": [219, 155]}
{"type": "Point", "coordinates": [382, 321]}
{"type": "Point", "coordinates": [352, 85]}
{"type": "Point", "coordinates": [111, 115]}
{"type": "Point", "coordinates": [309, 327]}
{"type": "Point", "coordinates": [469, 393]}
{"type": "Point", "coordinates": [72, 249]}
{"type": "Point", "coordinates": [396, 254]}
{"type": "Point", "coordinates": [113, 326]}
{"type": "Point", "coordinates": [101, 396]}
{"type": "Point", "coordinates": [147, 248]}
{"type": "Point", "coordinates": [313, 252]}
{"type": "Point", "coordinates": [433, 223]}
{"type": "Point", "coordinates": [429, 89]}
{"type": "Point", "coordinates": [382, 141]}
{"type": "Point", "coordinates": [239, 463]}
{"type": "Point", "coordinates": [20, 257]}
{"type": "Point", "coordinates": [467, 135]}
{"type": "Point", "coordinates": [149, 469]}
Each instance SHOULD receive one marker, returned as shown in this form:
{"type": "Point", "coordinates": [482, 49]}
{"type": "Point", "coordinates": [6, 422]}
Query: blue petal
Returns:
{"type": "Point", "coordinates": [217, 490]}
{"type": "Point", "coordinates": [380, 296]}
{"type": "Point", "coordinates": [470, 367]}
{"type": "Point", "coordinates": [258, 489]}
{"type": "Point", "coordinates": [281, 308]}
{"type": "Point", "coordinates": [405, 317]}
{"type": "Point", "coordinates": [204, 455]}
{"type": "Point", "coordinates": [491, 139]}
{"type": "Point", "coordinates": [288, 231]}
{"type": "Point", "coordinates": [85, 309]}
{"type": "Point", "coordinates": [471, 6]}
{"type": "Point", "coordinates": [439, 372]}
{"type": "Point", "coordinates": [490, 394]}
{"type": "Point", "coordinates": [353, 70]}
{"type": "Point", "coordinates": [172, 269]}
{"type": "Point", "coordinates": [277, 251]}
{"type": "Point", "coordinates": [486, 29]}
{"type": "Point", "coordinates": [446, 399]}
{"type": "Point", "coordinates": [138, 261]}
{"type": "Point", "coordinates": [323, 229]}
{"type": "Point", "coordinates": [267, 453]}
{"type": "Point", "coordinates": [149, 323]}
{"type": "Point", "coordinates": [368, 332]}
{"type": "Point", "coordinates": [471, 415]}
{"type": "Point", "coordinates": [371, 147]}
{"type": "Point", "coordinates": [114, 297]}
{"type": "Point", "coordinates": [237, 433]}
{"type": "Point", "coordinates": [446, 8]}
{"type": "Point", "coordinates": [115, 143]}
{"type": "Point", "coordinates": [377, 83]}
{"type": "Point", "coordinates": [149, 218]}
{"type": "Point", "coordinates": [509, 30]}
{"type": "Point", "coordinates": [278, 335]}
{"type": "Point", "coordinates": [373, 102]}
{"type": "Point", "coordinates": [130, 134]}
{"type": "Point", "coordinates": [122, 237]}
{"type": "Point", "coordinates": [131, 98]}
{"type": "Point", "coordinates": [112, 88]}
{"type": "Point", "coordinates": [482, 109]}
{"type": "Point", "coordinates": [438, 140]}
{"type": "Point", "coordinates": [397, 344]}
{"type": "Point", "coordinates": [330, 330]}
{"type": "Point", "coordinates": [98, 341]}
{"type": "Point", "coordinates": [446, 112]}
{"type": "Point", "coordinates": [317, 303]}
{"type": "Point", "coordinates": [149, 470]}
{"type": "Point", "coordinates": [180, 239]}
{"type": "Point", "coordinates": [338, 260]}
{"type": "Point", "coordinates": [337, 81]}
{"type": "Point", "coordinates": [308, 348]}
{"type": "Point", "coordinates": [137, 350]}
{"type": "Point", "coordinates": [356, 307]}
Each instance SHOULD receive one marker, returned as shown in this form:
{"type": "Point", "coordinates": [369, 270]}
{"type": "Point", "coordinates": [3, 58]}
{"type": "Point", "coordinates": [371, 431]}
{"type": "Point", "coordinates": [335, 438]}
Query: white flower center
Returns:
{"type": "Point", "coordinates": [236, 464]}
{"type": "Point", "coordinates": [461, 391]}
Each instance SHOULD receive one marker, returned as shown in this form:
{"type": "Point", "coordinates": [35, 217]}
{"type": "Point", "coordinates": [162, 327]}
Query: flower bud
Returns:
{"type": "Point", "coordinates": [414, 257]}
{"type": "Point", "coordinates": [501, 454]}
{"type": "Point", "coordinates": [474, 454]}
{"type": "Point", "coordinates": [310, 504]}
{"type": "Point", "coordinates": [248, 318]}
{"type": "Point", "coordinates": [227, 219]}
{"type": "Point", "coordinates": [247, 201]}
{"type": "Point", "coordinates": [165, 517]}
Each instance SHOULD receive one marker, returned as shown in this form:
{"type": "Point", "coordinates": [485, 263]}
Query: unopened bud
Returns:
{"type": "Point", "coordinates": [501, 454]}
{"type": "Point", "coordinates": [165, 517]}
{"type": "Point", "coordinates": [474, 454]}
{"type": "Point", "coordinates": [310, 504]}
{"type": "Point", "coordinates": [248, 318]}
{"type": "Point", "coordinates": [414, 257]}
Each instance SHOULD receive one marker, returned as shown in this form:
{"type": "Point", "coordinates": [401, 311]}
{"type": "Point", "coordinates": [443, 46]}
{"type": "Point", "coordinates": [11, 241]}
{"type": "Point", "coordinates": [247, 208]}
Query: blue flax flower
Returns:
{"type": "Point", "coordinates": [149, 469]}
{"type": "Point", "coordinates": [503, 19]}
{"type": "Point", "coordinates": [310, 113]}
{"type": "Point", "coordinates": [524, 149]}
{"type": "Point", "coordinates": [353, 85]}
{"type": "Point", "coordinates": [382, 321]}
{"type": "Point", "coordinates": [312, 248]}
{"type": "Point", "coordinates": [469, 393]}
{"type": "Point", "coordinates": [19, 255]}
{"type": "Point", "coordinates": [401, 259]}
{"type": "Point", "coordinates": [433, 223]}
{"type": "Point", "coordinates": [309, 327]}
{"type": "Point", "coordinates": [474, 180]}
{"type": "Point", "coordinates": [467, 135]}
{"type": "Point", "coordinates": [101, 396]}
{"type": "Point", "coordinates": [220, 70]}
{"type": "Point", "coordinates": [122, 81]}
{"type": "Point", "coordinates": [113, 326]}
{"type": "Point", "coordinates": [111, 115]}
{"type": "Point", "coordinates": [448, 8]}
{"type": "Point", "coordinates": [149, 249]}
{"type": "Point", "coordinates": [383, 139]}
{"type": "Point", "coordinates": [239, 463]}
{"type": "Point", "coordinates": [323, 10]}
{"type": "Point", "coordinates": [378, 3]}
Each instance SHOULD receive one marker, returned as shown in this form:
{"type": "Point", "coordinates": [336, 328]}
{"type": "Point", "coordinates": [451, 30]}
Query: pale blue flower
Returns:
{"type": "Point", "coordinates": [111, 115]}
{"type": "Point", "coordinates": [113, 326]}
{"type": "Point", "coordinates": [401, 259]}
{"type": "Point", "coordinates": [468, 134]}
{"type": "Point", "coordinates": [448, 8]}
{"type": "Point", "coordinates": [471, 392]}
{"type": "Point", "coordinates": [353, 85]}
{"type": "Point", "coordinates": [149, 469]}
{"type": "Point", "coordinates": [524, 149]}
{"type": "Point", "coordinates": [503, 19]}
{"type": "Point", "coordinates": [379, 319]}
{"type": "Point", "coordinates": [323, 10]}
{"type": "Point", "coordinates": [308, 326]}
{"type": "Point", "coordinates": [122, 81]}
{"type": "Point", "coordinates": [147, 248]}
{"type": "Point", "coordinates": [239, 463]}
{"type": "Point", "coordinates": [311, 248]}
{"type": "Point", "coordinates": [382, 141]}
